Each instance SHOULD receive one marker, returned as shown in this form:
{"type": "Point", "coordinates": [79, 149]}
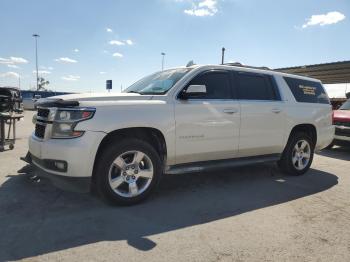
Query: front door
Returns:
{"type": "Point", "coordinates": [207, 126]}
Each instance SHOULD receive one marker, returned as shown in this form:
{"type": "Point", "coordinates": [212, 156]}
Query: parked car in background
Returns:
{"type": "Point", "coordinates": [30, 97]}
{"type": "Point", "coordinates": [177, 121]}
{"type": "Point", "coordinates": [341, 120]}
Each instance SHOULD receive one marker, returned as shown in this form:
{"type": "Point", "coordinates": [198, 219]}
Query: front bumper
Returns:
{"type": "Point", "coordinates": [342, 135]}
{"type": "Point", "coordinates": [77, 154]}
{"type": "Point", "coordinates": [73, 184]}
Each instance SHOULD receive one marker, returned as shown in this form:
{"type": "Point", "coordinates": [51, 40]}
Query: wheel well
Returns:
{"type": "Point", "coordinates": [151, 135]}
{"type": "Point", "coordinates": [306, 128]}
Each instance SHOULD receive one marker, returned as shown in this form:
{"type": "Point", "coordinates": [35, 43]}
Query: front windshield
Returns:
{"type": "Point", "coordinates": [158, 83]}
{"type": "Point", "coordinates": [345, 106]}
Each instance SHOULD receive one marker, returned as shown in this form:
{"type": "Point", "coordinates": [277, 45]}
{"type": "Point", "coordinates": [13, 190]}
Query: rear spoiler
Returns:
{"type": "Point", "coordinates": [46, 102]}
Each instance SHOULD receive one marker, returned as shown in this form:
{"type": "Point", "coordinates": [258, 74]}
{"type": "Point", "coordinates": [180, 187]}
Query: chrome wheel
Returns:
{"type": "Point", "coordinates": [131, 173]}
{"type": "Point", "coordinates": [301, 154]}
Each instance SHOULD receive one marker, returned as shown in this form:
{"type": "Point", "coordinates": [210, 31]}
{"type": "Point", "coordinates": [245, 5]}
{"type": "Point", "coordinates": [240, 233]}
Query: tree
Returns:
{"type": "Point", "coordinates": [42, 84]}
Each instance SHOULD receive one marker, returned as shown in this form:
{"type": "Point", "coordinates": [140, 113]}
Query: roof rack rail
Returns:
{"type": "Point", "coordinates": [254, 67]}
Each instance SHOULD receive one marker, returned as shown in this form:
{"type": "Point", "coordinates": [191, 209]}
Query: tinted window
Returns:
{"type": "Point", "coordinates": [345, 106]}
{"type": "Point", "coordinates": [255, 87]}
{"type": "Point", "coordinates": [307, 91]}
{"type": "Point", "coordinates": [217, 84]}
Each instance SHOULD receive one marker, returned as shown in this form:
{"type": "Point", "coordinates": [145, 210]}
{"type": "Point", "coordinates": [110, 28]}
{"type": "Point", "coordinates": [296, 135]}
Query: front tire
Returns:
{"type": "Point", "coordinates": [128, 171]}
{"type": "Point", "coordinates": [298, 155]}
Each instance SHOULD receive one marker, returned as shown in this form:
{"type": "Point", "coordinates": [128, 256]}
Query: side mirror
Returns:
{"type": "Point", "coordinates": [193, 91]}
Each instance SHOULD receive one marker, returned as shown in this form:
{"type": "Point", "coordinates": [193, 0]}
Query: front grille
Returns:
{"type": "Point", "coordinates": [339, 123]}
{"type": "Point", "coordinates": [42, 112]}
{"type": "Point", "coordinates": [40, 131]}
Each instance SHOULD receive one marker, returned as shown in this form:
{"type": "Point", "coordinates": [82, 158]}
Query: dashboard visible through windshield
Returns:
{"type": "Point", "coordinates": [158, 83]}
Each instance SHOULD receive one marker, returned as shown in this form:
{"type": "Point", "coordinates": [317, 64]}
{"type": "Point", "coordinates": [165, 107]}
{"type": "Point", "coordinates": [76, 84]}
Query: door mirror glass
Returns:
{"type": "Point", "coordinates": [194, 91]}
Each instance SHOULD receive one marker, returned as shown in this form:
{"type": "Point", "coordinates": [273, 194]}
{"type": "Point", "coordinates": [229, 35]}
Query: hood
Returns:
{"type": "Point", "coordinates": [341, 115]}
{"type": "Point", "coordinates": [94, 99]}
{"type": "Point", "coordinates": [102, 97]}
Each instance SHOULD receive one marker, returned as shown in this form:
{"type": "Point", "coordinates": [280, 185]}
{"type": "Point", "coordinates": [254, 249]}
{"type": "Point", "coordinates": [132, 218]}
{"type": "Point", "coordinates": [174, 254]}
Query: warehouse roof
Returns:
{"type": "Point", "coordinates": [328, 73]}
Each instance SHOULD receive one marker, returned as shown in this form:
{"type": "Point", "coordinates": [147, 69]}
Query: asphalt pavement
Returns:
{"type": "Point", "coordinates": [253, 213]}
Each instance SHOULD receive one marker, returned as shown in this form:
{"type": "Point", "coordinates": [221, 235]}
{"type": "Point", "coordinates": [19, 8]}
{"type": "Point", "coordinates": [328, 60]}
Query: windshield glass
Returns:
{"type": "Point", "coordinates": [158, 83]}
{"type": "Point", "coordinates": [345, 106]}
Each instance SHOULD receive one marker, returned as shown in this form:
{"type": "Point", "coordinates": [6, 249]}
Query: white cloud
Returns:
{"type": "Point", "coordinates": [102, 73]}
{"type": "Point", "coordinates": [203, 8]}
{"type": "Point", "coordinates": [66, 60]}
{"type": "Point", "coordinates": [42, 72]}
{"type": "Point", "coordinates": [117, 55]}
{"type": "Point", "coordinates": [109, 30]}
{"type": "Point", "coordinates": [46, 68]}
{"type": "Point", "coordinates": [18, 60]}
{"type": "Point", "coordinates": [13, 60]}
{"type": "Point", "coordinates": [12, 66]}
{"type": "Point", "coordinates": [10, 74]}
{"type": "Point", "coordinates": [76, 50]}
{"type": "Point", "coordinates": [129, 42]}
{"type": "Point", "coordinates": [71, 77]}
{"type": "Point", "coordinates": [116, 42]}
{"type": "Point", "coordinates": [324, 19]}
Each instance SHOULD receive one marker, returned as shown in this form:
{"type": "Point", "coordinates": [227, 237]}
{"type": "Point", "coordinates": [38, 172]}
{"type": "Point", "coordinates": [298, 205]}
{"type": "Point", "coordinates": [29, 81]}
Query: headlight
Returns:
{"type": "Point", "coordinates": [65, 121]}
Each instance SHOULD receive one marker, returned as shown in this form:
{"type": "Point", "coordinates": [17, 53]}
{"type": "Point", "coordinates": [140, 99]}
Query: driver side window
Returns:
{"type": "Point", "coordinates": [217, 85]}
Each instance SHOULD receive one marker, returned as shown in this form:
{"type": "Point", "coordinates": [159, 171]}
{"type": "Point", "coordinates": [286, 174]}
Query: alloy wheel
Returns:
{"type": "Point", "coordinates": [130, 174]}
{"type": "Point", "coordinates": [301, 154]}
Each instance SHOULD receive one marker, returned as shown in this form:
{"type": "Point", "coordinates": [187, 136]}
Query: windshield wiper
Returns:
{"type": "Point", "coordinates": [135, 92]}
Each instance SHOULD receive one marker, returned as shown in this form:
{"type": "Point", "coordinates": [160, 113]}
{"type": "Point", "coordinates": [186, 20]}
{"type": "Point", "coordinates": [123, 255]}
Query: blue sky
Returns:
{"type": "Point", "coordinates": [83, 43]}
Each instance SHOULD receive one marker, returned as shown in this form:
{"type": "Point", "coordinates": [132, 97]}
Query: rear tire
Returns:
{"type": "Point", "coordinates": [128, 171]}
{"type": "Point", "coordinates": [298, 155]}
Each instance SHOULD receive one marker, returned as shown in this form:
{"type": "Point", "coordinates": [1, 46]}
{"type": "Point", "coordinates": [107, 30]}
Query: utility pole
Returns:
{"type": "Point", "coordinates": [36, 60]}
{"type": "Point", "coordinates": [163, 57]}
{"type": "Point", "coordinates": [222, 55]}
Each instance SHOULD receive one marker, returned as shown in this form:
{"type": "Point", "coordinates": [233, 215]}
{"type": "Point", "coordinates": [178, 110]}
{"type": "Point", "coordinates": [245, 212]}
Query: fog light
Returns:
{"type": "Point", "coordinates": [60, 165]}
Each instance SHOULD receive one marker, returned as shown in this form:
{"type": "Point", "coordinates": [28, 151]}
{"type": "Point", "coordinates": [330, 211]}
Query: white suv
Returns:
{"type": "Point", "coordinates": [180, 120]}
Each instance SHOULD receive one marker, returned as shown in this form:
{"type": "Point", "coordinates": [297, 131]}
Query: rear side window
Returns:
{"type": "Point", "coordinates": [307, 91]}
{"type": "Point", "coordinates": [256, 87]}
{"type": "Point", "coordinates": [217, 84]}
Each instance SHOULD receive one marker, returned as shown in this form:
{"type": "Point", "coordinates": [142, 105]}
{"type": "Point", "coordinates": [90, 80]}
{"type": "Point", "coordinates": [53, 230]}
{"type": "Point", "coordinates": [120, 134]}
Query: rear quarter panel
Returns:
{"type": "Point", "coordinates": [317, 114]}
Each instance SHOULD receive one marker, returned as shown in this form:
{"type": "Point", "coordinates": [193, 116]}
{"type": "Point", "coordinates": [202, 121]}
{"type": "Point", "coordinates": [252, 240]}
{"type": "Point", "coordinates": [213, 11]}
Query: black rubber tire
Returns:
{"type": "Point", "coordinates": [286, 164]}
{"type": "Point", "coordinates": [109, 154]}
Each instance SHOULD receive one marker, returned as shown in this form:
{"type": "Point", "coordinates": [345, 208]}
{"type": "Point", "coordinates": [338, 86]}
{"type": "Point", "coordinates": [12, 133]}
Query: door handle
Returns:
{"type": "Point", "coordinates": [230, 110]}
{"type": "Point", "coordinates": [276, 110]}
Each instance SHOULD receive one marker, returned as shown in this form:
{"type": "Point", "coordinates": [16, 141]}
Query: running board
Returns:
{"type": "Point", "coordinates": [217, 164]}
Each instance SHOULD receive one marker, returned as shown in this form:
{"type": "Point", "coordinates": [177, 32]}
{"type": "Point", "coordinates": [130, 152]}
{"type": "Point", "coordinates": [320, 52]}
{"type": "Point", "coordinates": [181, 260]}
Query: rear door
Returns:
{"type": "Point", "coordinates": [262, 114]}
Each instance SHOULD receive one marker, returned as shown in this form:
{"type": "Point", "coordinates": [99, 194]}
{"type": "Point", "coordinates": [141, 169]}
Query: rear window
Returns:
{"type": "Point", "coordinates": [307, 91]}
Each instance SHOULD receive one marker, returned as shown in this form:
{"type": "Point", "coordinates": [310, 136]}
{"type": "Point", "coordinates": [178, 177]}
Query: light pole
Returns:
{"type": "Point", "coordinates": [163, 57]}
{"type": "Point", "coordinates": [36, 60]}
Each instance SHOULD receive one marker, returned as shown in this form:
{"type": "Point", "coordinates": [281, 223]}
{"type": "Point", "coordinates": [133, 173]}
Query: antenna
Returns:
{"type": "Point", "coordinates": [222, 55]}
{"type": "Point", "coordinates": [190, 63]}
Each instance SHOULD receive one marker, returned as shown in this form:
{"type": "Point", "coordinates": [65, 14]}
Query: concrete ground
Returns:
{"type": "Point", "coordinates": [244, 214]}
